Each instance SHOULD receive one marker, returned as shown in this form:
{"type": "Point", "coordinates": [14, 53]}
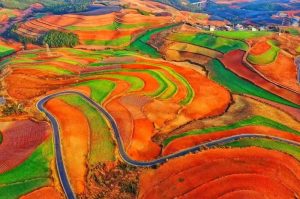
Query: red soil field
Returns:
{"type": "Point", "coordinates": [234, 62]}
{"type": "Point", "coordinates": [141, 146]}
{"type": "Point", "coordinates": [242, 194]}
{"type": "Point", "coordinates": [32, 83]}
{"type": "Point", "coordinates": [43, 193]}
{"type": "Point", "coordinates": [282, 71]}
{"type": "Point", "coordinates": [123, 118]}
{"type": "Point", "coordinates": [20, 139]}
{"type": "Point", "coordinates": [259, 48]}
{"type": "Point", "coordinates": [75, 133]}
{"type": "Point", "coordinates": [217, 172]}
{"type": "Point", "coordinates": [193, 140]}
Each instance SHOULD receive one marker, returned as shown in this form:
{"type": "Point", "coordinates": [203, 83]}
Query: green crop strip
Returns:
{"type": "Point", "coordinates": [50, 68]}
{"type": "Point", "coordinates": [220, 44]}
{"type": "Point", "coordinates": [5, 51]}
{"type": "Point", "coordinates": [113, 42]}
{"type": "Point", "coordinates": [100, 89]}
{"type": "Point", "coordinates": [240, 86]}
{"type": "Point", "coordinates": [136, 83]}
{"type": "Point", "coordinates": [253, 121]}
{"type": "Point", "coordinates": [165, 85]}
{"type": "Point", "coordinates": [141, 45]}
{"type": "Point", "coordinates": [112, 27]}
{"type": "Point", "coordinates": [102, 145]}
{"type": "Point", "coordinates": [190, 91]}
{"type": "Point", "coordinates": [266, 57]}
{"type": "Point", "coordinates": [16, 190]}
{"type": "Point", "coordinates": [241, 35]}
{"type": "Point", "coordinates": [268, 144]}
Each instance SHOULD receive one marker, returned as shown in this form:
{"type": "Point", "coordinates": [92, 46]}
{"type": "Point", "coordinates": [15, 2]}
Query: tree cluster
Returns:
{"type": "Point", "coordinates": [56, 39]}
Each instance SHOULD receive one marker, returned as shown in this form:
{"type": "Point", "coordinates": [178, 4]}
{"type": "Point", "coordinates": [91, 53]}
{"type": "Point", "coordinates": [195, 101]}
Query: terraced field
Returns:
{"type": "Point", "coordinates": [214, 114]}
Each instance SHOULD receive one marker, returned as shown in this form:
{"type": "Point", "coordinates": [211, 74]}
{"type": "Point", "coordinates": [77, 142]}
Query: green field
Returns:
{"type": "Point", "coordinates": [294, 32]}
{"type": "Point", "coordinates": [33, 173]}
{"type": "Point", "coordinates": [100, 89]}
{"type": "Point", "coordinates": [166, 87]}
{"type": "Point", "coordinates": [265, 58]}
{"type": "Point", "coordinates": [16, 190]}
{"type": "Point", "coordinates": [112, 27]}
{"type": "Point", "coordinates": [268, 144]}
{"type": "Point", "coordinates": [50, 68]}
{"type": "Point", "coordinates": [241, 35]}
{"type": "Point", "coordinates": [102, 145]}
{"type": "Point", "coordinates": [141, 45]}
{"type": "Point", "coordinates": [190, 91]}
{"type": "Point", "coordinates": [209, 41]}
{"type": "Point", "coordinates": [253, 121]}
{"type": "Point", "coordinates": [136, 83]}
{"type": "Point", "coordinates": [122, 41]}
{"type": "Point", "coordinates": [240, 86]}
{"type": "Point", "coordinates": [5, 51]}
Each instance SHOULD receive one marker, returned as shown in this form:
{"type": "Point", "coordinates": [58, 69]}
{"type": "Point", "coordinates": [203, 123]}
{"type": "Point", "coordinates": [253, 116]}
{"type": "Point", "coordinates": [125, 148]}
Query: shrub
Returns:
{"type": "Point", "coordinates": [129, 187]}
{"type": "Point", "coordinates": [55, 39]}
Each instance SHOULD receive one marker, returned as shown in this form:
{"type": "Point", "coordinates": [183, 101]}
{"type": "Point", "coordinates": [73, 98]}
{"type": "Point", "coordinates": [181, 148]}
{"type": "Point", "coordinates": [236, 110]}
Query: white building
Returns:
{"type": "Point", "coordinates": [199, 3]}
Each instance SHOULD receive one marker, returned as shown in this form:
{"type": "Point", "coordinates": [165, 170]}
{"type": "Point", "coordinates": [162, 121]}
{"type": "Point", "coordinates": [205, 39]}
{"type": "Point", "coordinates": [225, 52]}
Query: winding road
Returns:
{"type": "Point", "coordinates": [58, 150]}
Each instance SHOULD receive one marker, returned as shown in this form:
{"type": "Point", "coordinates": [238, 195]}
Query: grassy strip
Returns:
{"type": "Point", "coordinates": [141, 45]}
{"type": "Point", "coordinates": [112, 27]}
{"type": "Point", "coordinates": [100, 89]}
{"type": "Point", "coordinates": [113, 42]}
{"type": "Point", "coordinates": [253, 121]}
{"type": "Point", "coordinates": [171, 88]}
{"type": "Point", "coordinates": [5, 51]}
{"type": "Point", "coordinates": [68, 61]}
{"type": "Point", "coordinates": [50, 68]}
{"type": "Point", "coordinates": [4, 63]}
{"type": "Point", "coordinates": [241, 35]}
{"type": "Point", "coordinates": [36, 166]}
{"type": "Point", "coordinates": [294, 32]}
{"type": "Point", "coordinates": [14, 191]}
{"type": "Point", "coordinates": [1, 137]}
{"type": "Point", "coordinates": [102, 146]}
{"type": "Point", "coordinates": [266, 57]}
{"type": "Point", "coordinates": [98, 54]}
{"type": "Point", "coordinates": [268, 144]}
{"type": "Point", "coordinates": [190, 91]}
{"type": "Point", "coordinates": [136, 83]}
{"type": "Point", "coordinates": [158, 76]}
{"type": "Point", "coordinates": [238, 85]}
{"type": "Point", "coordinates": [209, 41]}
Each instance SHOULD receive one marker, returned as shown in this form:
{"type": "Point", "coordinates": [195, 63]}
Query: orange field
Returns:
{"type": "Point", "coordinates": [75, 139]}
{"type": "Point", "coordinates": [43, 193]}
{"type": "Point", "coordinates": [282, 71]}
{"type": "Point", "coordinates": [193, 140]}
{"type": "Point", "coordinates": [220, 172]}
{"type": "Point", "coordinates": [260, 48]}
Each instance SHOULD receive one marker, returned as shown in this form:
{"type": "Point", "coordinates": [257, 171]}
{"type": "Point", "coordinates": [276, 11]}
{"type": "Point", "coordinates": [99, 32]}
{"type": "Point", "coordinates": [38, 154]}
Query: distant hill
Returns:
{"type": "Point", "coordinates": [180, 4]}
{"type": "Point", "coordinates": [56, 6]}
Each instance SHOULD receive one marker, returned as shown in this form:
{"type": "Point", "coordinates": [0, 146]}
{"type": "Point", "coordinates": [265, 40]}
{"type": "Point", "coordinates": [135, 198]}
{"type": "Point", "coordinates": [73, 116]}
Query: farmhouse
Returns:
{"type": "Point", "coordinates": [199, 3]}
